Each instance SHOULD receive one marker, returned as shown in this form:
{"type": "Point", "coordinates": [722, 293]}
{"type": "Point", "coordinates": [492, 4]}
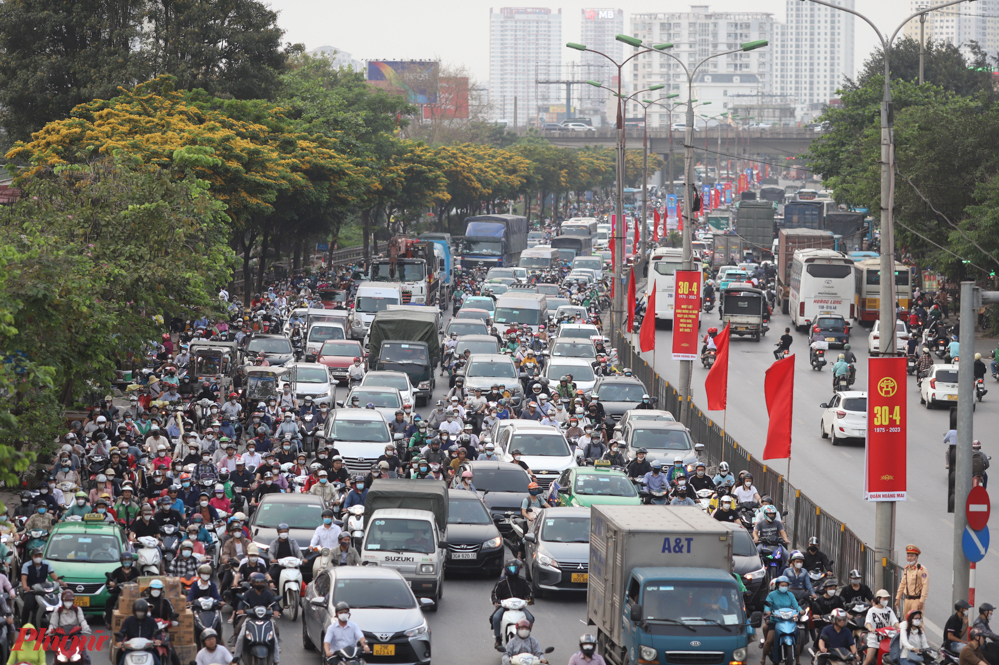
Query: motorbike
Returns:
{"type": "Point", "coordinates": [138, 651]}
{"type": "Point", "coordinates": [347, 656]}
{"type": "Point", "coordinates": [885, 636]}
{"type": "Point", "coordinates": [940, 347]}
{"type": "Point", "coordinates": [290, 585]}
{"type": "Point", "coordinates": [150, 561]}
{"type": "Point", "coordinates": [707, 500]}
{"type": "Point", "coordinates": [773, 560]}
{"type": "Point", "coordinates": [910, 363]}
{"type": "Point", "coordinates": [785, 638]}
{"type": "Point", "coordinates": [36, 538]}
{"type": "Point", "coordinates": [529, 658]}
{"type": "Point", "coordinates": [71, 650]}
{"type": "Point", "coordinates": [709, 304]}
{"type": "Point", "coordinates": [207, 614]}
{"type": "Point", "coordinates": [841, 383]}
{"type": "Point", "coordinates": [47, 596]}
{"type": "Point", "coordinates": [654, 497]}
{"type": "Point", "coordinates": [708, 358]}
{"type": "Point", "coordinates": [780, 353]}
{"type": "Point", "coordinates": [514, 536]}
{"type": "Point", "coordinates": [818, 359]}
{"type": "Point", "coordinates": [259, 637]}
{"type": "Point", "coordinates": [308, 433]}
{"type": "Point", "coordinates": [355, 525]}
{"type": "Point", "coordinates": [513, 611]}
{"type": "Point", "coordinates": [322, 562]}
{"type": "Point", "coordinates": [839, 654]}
{"type": "Point", "coordinates": [980, 389]}
{"type": "Point", "coordinates": [170, 543]}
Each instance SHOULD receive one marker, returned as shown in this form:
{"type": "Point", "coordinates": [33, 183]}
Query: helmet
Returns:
{"type": "Point", "coordinates": [68, 595]}
{"type": "Point", "coordinates": [962, 605]}
{"type": "Point", "coordinates": [814, 540]}
{"type": "Point", "coordinates": [978, 356]}
{"type": "Point", "coordinates": [210, 632]}
{"type": "Point", "coordinates": [156, 584]}
{"type": "Point", "coordinates": [587, 639]}
{"type": "Point", "coordinates": [342, 607]}
{"type": "Point", "coordinates": [976, 633]}
{"type": "Point", "coordinates": [523, 623]}
{"type": "Point", "coordinates": [770, 513]}
{"type": "Point", "coordinates": [782, 580]}
{"type": "Point", "coordinates": [855, 574]}
{"type": "Point", "coordinates": [797, 556]}
{"type": "Point", "coordinates": [641, 451]}
{"type": "Point", "coordinates": [882, 594]}
{"type": "Point", "coordinates": [830, 582]}
{"type": "Point", "coordinates": [205, 569]}
{"type": "Point", "coordinates": [712, 331]}
{"type": "Point", "coordinates": [838, 614]}
{"type": "Point", "coordinates": [533, 486]}
{"type": "Point", "coordinates": [723, 467]}
{"type": "Point", "coordinates": [985, 607]}
{"type": "Point", "coordinates": [140, 605]}
{"type": "Point", "coordinates": [677, 460]}
{"type": "Point", "coordinates": [656, 464]}
{"type": "Point", "coordinates": [257, 578]}
{"type": "Point", "coordinates": [513, 566]}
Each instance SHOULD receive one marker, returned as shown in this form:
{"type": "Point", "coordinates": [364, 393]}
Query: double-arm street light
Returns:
{"type": "Point", "coordinates": [884, 516]}
{"type": "Point", "coordinates": [617, 306]}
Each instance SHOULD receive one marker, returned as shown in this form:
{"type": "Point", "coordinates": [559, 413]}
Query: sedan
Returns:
{"type": "Point", "coordinates": [587, 486]}
{"type": "Point", "coordinates": [381, 603]}
{"type": "Point", "coordinates": [574, 348]}
{"type": "Point", "coordinates": [543, 448]}
{"type": "Point", "coordinates": [580, 369]}
{"type": "Point", "coordinates": [833, 328]}
{"type": "Point", "coordinates": [502, 486]}
{"type": "Point", "coordinates": [301, 512]}
{"type": "Point", "coordinates": [388, 379]}
{"type": "Point", "coordinates": [664, 441]}
{"type": "Point", "coordinates": [477, 344]}
{"type": "Point", "coordinates": [558, 550]}
{"type": "Point", "coordinates": [619, 394]}
{"type": "Point", "coordinates": [480, 302]}
{"type": "Point", "coordinates": [634, 415]}
{"type": "Point", "coordinates": [276, 348]}
{"type": "Point", "coordinates": [467, 327]}
{"type": "Point", "coordinates": [844, 417]}
{"type": "Point", "coordinates": [385, 400]}
{"type": "Point", "coordinates": [473, 541]}
{"type": "Point", "coordinates": [338, 355]}
{"type": "Point", "coordinates": [939, 386]}
{"type": "Point", "coordinates": [901, 338]}
{"type": "Point", "coordinates": [312, 380]}
{"type": "Point", "coordinates": [570, 312]}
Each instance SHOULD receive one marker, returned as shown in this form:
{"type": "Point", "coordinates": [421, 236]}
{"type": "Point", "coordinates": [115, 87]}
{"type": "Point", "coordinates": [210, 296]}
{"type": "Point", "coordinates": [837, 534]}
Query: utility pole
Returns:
{"type": "Point", "coordinates": [922, 45]}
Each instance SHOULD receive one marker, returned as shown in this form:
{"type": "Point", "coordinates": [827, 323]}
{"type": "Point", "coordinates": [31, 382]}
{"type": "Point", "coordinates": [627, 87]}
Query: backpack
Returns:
{"type": "Point", "coordinates": [895, 648]}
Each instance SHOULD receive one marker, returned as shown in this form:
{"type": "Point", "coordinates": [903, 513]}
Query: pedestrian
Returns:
{"type": "Point", "coordinates": [915, 583]}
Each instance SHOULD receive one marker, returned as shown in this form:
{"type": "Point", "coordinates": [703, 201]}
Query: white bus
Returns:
{"type": "Point", "coordinates": [664, 262]}
{"type": "Point", "coordinates": [822, 282]}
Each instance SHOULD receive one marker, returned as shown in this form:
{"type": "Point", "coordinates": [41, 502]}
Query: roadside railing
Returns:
{"type": "Point", "coordinates": [804, 518]}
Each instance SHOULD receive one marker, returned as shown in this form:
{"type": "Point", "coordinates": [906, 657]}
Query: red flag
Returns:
{"type": "Point", "coordinates": [655, 225]}
{"type": "Point", "coordinates": [647, 333]}
{"type": "Point", "coordinates": [613, 249]}
{"type": "Point", "coordinates": [634, 245]}
{"type": "Point", "coordinates": [779, 389]}
{"type": "Point", "coordinates": [631, 301]}
{"type": "Point", "coordinates": [679, 217]}
{"type": "Point", "coordinates": [716, 383]}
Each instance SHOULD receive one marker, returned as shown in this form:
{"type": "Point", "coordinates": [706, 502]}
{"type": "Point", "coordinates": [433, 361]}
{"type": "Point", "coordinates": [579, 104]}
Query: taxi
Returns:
{"type": "Point", "coordinates": [585, 486]}
{"type": "Point", "coordinates": [81, 552]}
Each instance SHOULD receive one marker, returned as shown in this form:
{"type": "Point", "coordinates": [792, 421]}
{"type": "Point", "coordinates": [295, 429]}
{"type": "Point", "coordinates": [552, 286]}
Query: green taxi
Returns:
{"type": "Point", "coordinates": [585, 486]}
{"type": "Point", "coordinates": [81, 552]}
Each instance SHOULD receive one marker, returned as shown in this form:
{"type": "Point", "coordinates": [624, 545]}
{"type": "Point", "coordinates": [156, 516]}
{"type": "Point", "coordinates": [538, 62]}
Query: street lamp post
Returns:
{"type": "Point", "coordinates": [617, 306]}
{"type": "Point", "coordinates": [884, 516]}
{"type": "Point", "coordinates": [687, 366]}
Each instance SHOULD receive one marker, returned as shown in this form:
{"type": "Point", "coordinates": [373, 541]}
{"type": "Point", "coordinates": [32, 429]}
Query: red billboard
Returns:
{"type": "Point", "coordinates": [686, 312]}
{"type": "Point", "coordinates": [884, 477]}
{"type": "Point", "coordinates": [452, 100]}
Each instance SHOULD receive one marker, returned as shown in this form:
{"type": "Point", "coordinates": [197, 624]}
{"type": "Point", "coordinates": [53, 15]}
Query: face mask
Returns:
{"type": "Point", "coordinates": [524, 633]}
{"type": "Point", "coordinates": [162, 453]}
{"type": "Point", "coordinates": [884, 603]}
{"type": "Point", "coordinates": [147, 516]}
{"type": "Point", "coordinates": [749, 483]}
{"type": "Point", "coordinates": [37, 561]}
{"type": "Point", "coordinates": [101, 511]}
{"type": "Point", "coordinates": [252, 560]}
{"type": "Point", "coordinates": [155, 593]}
{"type": "Point", "coordinates": [41, 511]}
{"type": "Point", "coordinates": [783, 588]}
{"type": "Point", "coordinates": [797, 564]}
{"type": "Point", "coordinates": [535, 492]}
{"type": "Point", "coordinates": [186, 554]}
{"type": "Point", "coordinates": [286, 447]}
{"type": "Point", "coordinates": [268, 482]}
{"type": "Point", "coordinates": [516, 458]}
{"type": "Point", "coordinates": [830, 592]}
{"type": "Point", "coordinates": [322, 457]}
{"type": "Point", "coordinates": [80, 502]}
{"type": "Point", "coordinates": [256, 421]}
{"type": "Point", "coordinates": [323, 481]}
{"type": "Point", "coordinates": [283, 536]}
{"type": "Point", "coordinates": [343, 617]}
{"type": "Point", "coordinates": [423, 469]}
{"type": "Point", "coordinates": [327, 520]}
{"type": "Point", "coordinates": [43, 490]}
{"type": "Point", "coordinates": [655, 472]}
{"type": "Point", "coordinates": [140, 615]}
{"type": "Point", "coordinates": [916, 622]}
{"type": "Point", "coordinates": [126, 564]}
{"type": "Point", "coordinates": [204, 503]}
{"type": "Point", "coordinates": [251, 450]}
{"type": "Point", "coordinates": [65, 469]}
{"type": "Point", "coordinates": [360, 486]}
{"type": "Point", "coordinates": [186, 484]}
{"type": "Point", "coordinates": [587, 650]}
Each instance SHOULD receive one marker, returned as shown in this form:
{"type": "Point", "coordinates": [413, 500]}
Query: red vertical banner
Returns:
{"type": "Point", "coordinates": [885, 461]}
{"type": "Point", "coordinates": [686, 312]}
{"type": "Point", "coordinates": [655, 225]}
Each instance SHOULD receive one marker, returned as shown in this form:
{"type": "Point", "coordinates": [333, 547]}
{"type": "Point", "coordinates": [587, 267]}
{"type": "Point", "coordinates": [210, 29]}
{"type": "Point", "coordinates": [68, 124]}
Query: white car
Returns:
{"type": "Point", "coordinates": [385, 400]}
{"type": "Point", "coordinates": [313, 380]}
{"type": "Point", "coordinates": [389, 379]}
{"type": "Point", "coordinates": [939, 386]}
{"type": "Point", "coordinates": [543, 448]}
{"type": "Point", "coordinates": [575, 127]}
{"type": "Point", "coordinates": [578, 331]}
{"type": "Point", "coordinates": [901, 338]}
{"type": "Point", "coordinates": [844, 417]}
{"type": "Point", "coordinates": [580, 368]}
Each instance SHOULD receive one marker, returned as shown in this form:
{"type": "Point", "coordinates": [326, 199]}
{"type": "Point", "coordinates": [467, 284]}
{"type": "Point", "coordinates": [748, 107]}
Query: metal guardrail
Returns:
{"type": "Point", "coordinates": [804, 517]}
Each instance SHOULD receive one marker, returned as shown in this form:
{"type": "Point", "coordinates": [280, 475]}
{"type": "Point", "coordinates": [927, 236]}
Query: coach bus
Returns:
{"type": "Point", "coordinates": [867, 288]}
{"type": "Point", "coordinates": [821, 283]}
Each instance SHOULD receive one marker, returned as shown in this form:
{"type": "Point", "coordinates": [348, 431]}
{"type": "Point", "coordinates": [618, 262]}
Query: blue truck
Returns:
{"type": "Point", "coordinates": [447, 270]}
{"type": "Point", "coordinates": [492, 241]}
{"type": "Point", "coordinates": [660, 587]}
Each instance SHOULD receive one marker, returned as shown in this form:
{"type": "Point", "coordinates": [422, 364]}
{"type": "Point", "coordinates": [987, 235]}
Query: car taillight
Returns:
{"type": "Point", "coordinates": [933, 383]}
{"type": "Point", "coordinates": [801, 309]}
{"type": "Point", "coordinates": [852, 314]}
{"type": "Point", "coordinates": [841, 414]}
{"type": "Point", "coordinates": [877, 336]}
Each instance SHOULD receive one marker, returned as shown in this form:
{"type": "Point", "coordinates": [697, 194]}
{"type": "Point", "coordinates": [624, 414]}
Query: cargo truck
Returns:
{"type": "Point", "coordinates": [726, 250]}
{"type": "Point", "coordinates": [754, 223]}
{"type": "Point", "coordinates": [407, 341]}
{"type": "Point", "coordinates": [493, 241]}
{"type": "Point", "coordinates": [413, 263]}
{"type": "Point", "coordinates": [788, 242]}
{"type": "Point", "coordinates": [803, 215]}
{"type": "Point", "coordinates": [661, 589]}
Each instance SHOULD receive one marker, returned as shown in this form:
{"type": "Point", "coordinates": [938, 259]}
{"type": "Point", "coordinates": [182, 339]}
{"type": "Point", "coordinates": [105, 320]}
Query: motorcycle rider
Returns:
{"type": "Point", "coordinates": [700, 480]}
{"type": "Point", "coordinates": [985, 611]}
{"type": "Point", "coordinates": [522, 642]}
{"type": "Point", "coordinates": [159, 606]}
{"type": "Point", "coordinates": [709, 342]}
{"type": "Point", "coordinates": [879, 616]}
{"type": "Point", "coordinates": [770, 531]}
{"type": "Point", "coordinates": [784, 344]}
{"type": "Point", "coordinates": [614, 456]}
{"type": "Point", "coordinates": [512, 585]}
{"type": "Point", "coordinates": [828, 600]}
{"type": "Point", "coordinates": [257, 596]}
{"type": "Point", "coordinates": [640, 466]}
{"type": "Point", "coordinates": [778, 599]}
{"type": "Point", "coordinates": [836, 635]}
{"type": "Point", "coordinates": [125, 573]}
{"type": "Point", "coordinates": [856, 591]}
{"type": "Point", "coordinates": [139, 624]}
{"type": "Point", "coordinates": [956, 627]}
{"type": "Point", "coordinates": [924, 364]}
{"type": "Point", "coordinates": [815, 559]}
{"type": "Point", "coordinates": [204, 587]}
{"type": "Point", "coordinates": [980, 371]}
{"type": "Point", "coordinates": [533, 502]}
{"type": "Point", "coordinates": [797, 575]}
{"type": "Point", "coordinates": [655, 480]}
{"type": "Point", "coordinates": [724, 512]}
{"type": "Point", "coordinates": [343, 633]}
{"type": "Point", "coordinates": [724, 480]}
{"type": "Point", "coordinates": [840, 369]}
{"type": "Point", "coordinates": [68, 616]}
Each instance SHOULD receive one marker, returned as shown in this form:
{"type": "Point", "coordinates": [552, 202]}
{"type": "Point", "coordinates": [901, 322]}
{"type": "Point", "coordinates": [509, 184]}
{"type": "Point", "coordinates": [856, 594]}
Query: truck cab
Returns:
{"type": "Point", "coordinates": [413, 263]}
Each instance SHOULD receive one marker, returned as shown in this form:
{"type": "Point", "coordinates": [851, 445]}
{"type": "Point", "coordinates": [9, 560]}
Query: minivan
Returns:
{"type": "Point", "coordinates": [524, 309]}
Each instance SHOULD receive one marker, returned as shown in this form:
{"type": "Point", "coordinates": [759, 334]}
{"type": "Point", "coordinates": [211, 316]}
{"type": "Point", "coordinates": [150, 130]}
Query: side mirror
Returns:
{"type": "Point", "coordinates": [563, 490]}
{"type": "Point", "coordinates": [442, 544]}
{"type": "Point", "coordinates": [339, 404]}
{"type": "Point", "coordinates": [530, 538]}
{"type": "Point", "coordinates": [549, 649]}
{"type": "Point", "coordinates": [756, 619]}
{"type": "Point", "coordinates": [823, 406]}
{"type": "Point", "coordinates": [654, 400]}
{"type": "Point", "coordinates": [319, 602]}
{"type": "Point", "coordinates": [698, 448]}
{"type": "Point", "coordinates": [426, 602]}
{"type": "Point", "coordinates": [636, 613]}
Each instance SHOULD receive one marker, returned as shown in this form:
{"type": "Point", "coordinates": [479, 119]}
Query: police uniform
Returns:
{"type": "Point", "coordinates": [914, 585]}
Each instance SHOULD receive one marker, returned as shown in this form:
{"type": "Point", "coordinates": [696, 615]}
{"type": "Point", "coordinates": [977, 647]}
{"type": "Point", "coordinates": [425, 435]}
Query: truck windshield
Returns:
{"type": "Point", "coordinates": [404, 353]}
{"type": "Point", "coordinates": [692, 603]}
{"type": "Point", "coordinates": [517, 315]}
{"type": "Point", "coordinates": [486, 247]}
{"type": "Point", "coordinates": [535, 262]}
{"type": "Point", "coordinates": [404, 272]}
{"type": "Point", "coordinates": [323, 333]}
{"type": "Point", "coordinates": [372, 304]}
{"type": "Point", "coordinates": [399, 535]}
{"type": "Point", "coordinates": [566, 530]}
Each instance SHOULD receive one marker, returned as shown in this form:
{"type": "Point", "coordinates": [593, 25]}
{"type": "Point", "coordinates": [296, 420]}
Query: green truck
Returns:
{"type": "Point", "coordinates": [407, 341]}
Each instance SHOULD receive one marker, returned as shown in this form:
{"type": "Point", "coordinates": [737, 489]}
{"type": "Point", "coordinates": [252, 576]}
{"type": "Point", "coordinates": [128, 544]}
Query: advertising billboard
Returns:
{"type": "Point", "coordinates": [452, 100]}
{"type": "Point", "coordinates": [417, 79]}
{"type": "Point", "coordinates": [885, 461]}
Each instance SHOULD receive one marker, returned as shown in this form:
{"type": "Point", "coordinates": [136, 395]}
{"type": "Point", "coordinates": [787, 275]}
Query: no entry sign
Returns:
{"type": "Point", "coordinates": [978, 508]}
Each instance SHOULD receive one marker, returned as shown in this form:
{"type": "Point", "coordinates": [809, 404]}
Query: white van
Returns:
{"type": "Point", "coordinates": [371, 298]}
{"type": "Point", "coordinates": [524, 309]}
{"type": "Point", "coordinates": [535, 259]}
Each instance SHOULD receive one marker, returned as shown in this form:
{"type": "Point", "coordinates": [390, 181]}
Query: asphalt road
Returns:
{"type": "Point", "coordinates": [834, 477]}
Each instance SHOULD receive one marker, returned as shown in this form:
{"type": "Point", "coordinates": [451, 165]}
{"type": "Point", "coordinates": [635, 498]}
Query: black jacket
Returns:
{"type": "Point", "coordinates": [817, 560]}
{"type": "Point", "coordinates": [132, 627]}
{"type": "Point", "coordinates": [512, 587]}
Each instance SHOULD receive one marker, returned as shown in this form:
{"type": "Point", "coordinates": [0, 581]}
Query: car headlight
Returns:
{"type": "Point", "coordinates": [422, 629]}
{"type": "Point", "coordinates": [424, 385]}
{"type": "Point", "coordinates": [546, 560]}
{"type": "Point", "coordinates": [426, 569]}
{"type": "Point", "coordinates": [493, 543]}
{"type": "Point", "coordinates": [648, 653]}
{"type": "Point", "coordinates": [739, 654]}
{"type": "Point", "coordinates": [755, 575]}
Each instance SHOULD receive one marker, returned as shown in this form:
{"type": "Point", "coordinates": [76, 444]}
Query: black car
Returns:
{"type": "Point", "coordinates": [746, 563]}
{"type": "Point", "coordinates": [619, 394]}
{"type": "Point", "coordinates": [276, 348]}
{"type": "Point", "coordinates": [502, 486]}
{"type": "Point", "coordinates": [473, 541]}
{"type": "Point", "coordinates": [834, 329]}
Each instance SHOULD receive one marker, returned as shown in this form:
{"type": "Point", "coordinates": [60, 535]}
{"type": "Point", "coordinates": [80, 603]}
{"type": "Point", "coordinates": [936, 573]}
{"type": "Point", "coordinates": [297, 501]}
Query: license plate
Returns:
{"type": "Point", "coordinates": [462, 555]}
{"type": "Point", "coordinates": [952, 398]}
{"type": "Point", "coordinates": [830, 339]}
{"type": "Point", "coordinates": [383, 650]}
{"type": "Point", "coordinates": [580, 578]}
{"type": "Point", "coordinates": [82, 601]}
{"type": "Point", "coordinates": [740, 327]}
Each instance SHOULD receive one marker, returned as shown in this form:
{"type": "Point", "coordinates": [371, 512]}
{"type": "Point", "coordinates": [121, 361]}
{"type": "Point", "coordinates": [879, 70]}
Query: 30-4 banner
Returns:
{"type": "Point", "coordinates": [884, 478]}
{"type": "Point", "coordinates": [686, 310]}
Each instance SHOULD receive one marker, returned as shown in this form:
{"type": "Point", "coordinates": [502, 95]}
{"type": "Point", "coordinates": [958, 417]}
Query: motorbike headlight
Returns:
{"type": "Point", "coordinates": [739, 654]}
{"type": "Point", "coordinates": [546, 560]}
{"type": "Point", "coordinates": [426, 569]}
{"type": "Point", "coordinates": [493, 543]}
{"type": "Point", "coordinates": [647, 653]}
{"type": "Point", "coordinates": [419, 630]}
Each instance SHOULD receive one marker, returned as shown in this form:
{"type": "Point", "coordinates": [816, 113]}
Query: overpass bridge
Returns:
{"type": "Point", "coordinates": [776, 142]}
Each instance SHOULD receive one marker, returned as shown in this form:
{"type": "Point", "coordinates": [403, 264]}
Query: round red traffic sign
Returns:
{"type": "Point", "coordinates": [978, 508]}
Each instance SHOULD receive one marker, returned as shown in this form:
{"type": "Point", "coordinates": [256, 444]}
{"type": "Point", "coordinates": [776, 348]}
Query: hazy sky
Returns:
{"type": "Point", "coordinates": [457, 31]}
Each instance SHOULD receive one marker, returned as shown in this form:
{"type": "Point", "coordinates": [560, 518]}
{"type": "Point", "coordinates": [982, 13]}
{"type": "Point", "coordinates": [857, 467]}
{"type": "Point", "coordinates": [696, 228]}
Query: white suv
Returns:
{"type": "Point", "coordinates": [575, 127]}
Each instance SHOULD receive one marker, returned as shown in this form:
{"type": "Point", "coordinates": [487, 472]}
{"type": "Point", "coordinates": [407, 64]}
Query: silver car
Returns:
{"type": "Point", "coordinates": [361, 436]}
{"type": "Point", "coordinates": [311, 380]}
{"type": "Point", "coordinates": [558, 550]}
{"type": "Point", "coordinates": [381, 604]}
{"type": "Point", "coordinates": [485, 370]}
{"type": "Point", "coordinates": [385, 400]}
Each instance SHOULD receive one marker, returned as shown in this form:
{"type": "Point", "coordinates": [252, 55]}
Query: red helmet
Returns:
{"type": "Point", "coordinates": [166, 337]}
{"type": "Point", "coordinates": [815, 329]}
{"type": "Point", "coordinates": [357, 360]}
{"type": "Point", "coordinates": [712, 331]}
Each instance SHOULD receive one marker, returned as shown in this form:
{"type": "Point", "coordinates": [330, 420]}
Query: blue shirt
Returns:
{"type": "Point", "coordinates": [841, 368]}
{"type": "Point", "coordinates": [953, 349]}
{"type": "Point", "coordinates": [339, 637]}
{"type": "Point", "coordinates": [837, 640]}
{"type": "Point", "coordinates": [798, 580]}
{"type": "Point", "coordinates": [655, 482]}
{"type": "Point", "coordinates": [355, 499]}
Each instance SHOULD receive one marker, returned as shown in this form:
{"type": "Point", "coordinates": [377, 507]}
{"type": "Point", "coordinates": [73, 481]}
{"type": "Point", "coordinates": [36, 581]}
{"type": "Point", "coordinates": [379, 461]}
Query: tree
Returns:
{"type": "Point", "coordinates": [944, 65]}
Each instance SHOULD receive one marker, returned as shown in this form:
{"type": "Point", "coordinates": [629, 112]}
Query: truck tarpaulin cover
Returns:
{"type": "Point", "coordinates": [404, 493]}
{"type": "Point", "coordinates": [404, 326]}
{"type": "Point", "coordinates": [846, 224]}
{"type": "Point", "coordinates": [485, 230]}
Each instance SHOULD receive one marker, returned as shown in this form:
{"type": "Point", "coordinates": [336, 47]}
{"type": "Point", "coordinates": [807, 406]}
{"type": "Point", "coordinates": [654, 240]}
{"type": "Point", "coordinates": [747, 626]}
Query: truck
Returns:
{"type": "Point", "coordinates": [661, 588]}
{"type": "Point", "coordinates": [849, 226]}
{"type": "Point", "coordinates": [726, 250]}
{"type": "Point", "coordinates": [407, 341]}
{"type": "Point", "coordinates": [413, 263]}
{"type": "Point", "coordinates": [788, 242]}
{"type": "Point", "coordinates": [405, 528]}
{"type": "Point", "coordinates": [754, 222]}
{"type": "Point", "coordinates": [493, 241]}
{"type": "Point", "coordinates": [803, 215]}
{"type": "Point", "coordinates": [446, 266]}
{"type": "Point", "coordinates": [719, 220]}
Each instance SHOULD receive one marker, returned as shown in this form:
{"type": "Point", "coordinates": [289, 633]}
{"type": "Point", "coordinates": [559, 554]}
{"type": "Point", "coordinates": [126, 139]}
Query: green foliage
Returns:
{"type": "Point", "coordinates": [944, 65]}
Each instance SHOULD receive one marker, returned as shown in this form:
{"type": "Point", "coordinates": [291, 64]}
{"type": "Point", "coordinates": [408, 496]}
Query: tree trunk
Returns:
{"type": "Point", "coordinates": [262, 265]}
{"type": "Point", "coordinates": [247, 275]}
{"type": "Point", "coordinates": [365, 216]}
{"type": "Point", "coordinates": [297, 260]}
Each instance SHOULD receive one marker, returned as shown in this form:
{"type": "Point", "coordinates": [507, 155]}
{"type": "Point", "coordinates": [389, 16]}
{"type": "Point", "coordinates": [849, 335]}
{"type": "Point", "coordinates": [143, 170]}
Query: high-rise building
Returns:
{"type": "Point", "coordinates": [959, 25]}
{"type": "Point", "coordinates": [813, 53]}
{"type": "Point", "coordinates": [695, 35]}
{"type": "Point", "coordinates": [522, 42]}
{"type": "Point", "coordinates": [339, 58]}
{"type": "Point", "coordinates": [599, 29]}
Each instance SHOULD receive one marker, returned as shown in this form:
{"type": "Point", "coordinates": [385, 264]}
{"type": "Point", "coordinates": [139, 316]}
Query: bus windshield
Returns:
{"type": "Point", "coordinates": [517, 315]}
{"type": "Point", "coordinates": [667, 267]}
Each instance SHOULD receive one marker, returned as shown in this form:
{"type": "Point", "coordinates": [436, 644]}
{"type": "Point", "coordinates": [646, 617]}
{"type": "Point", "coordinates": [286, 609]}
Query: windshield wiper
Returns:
{"type": "Point", "coordinates": [672, 622]}
{"type": "Point", "coordinates": [717, 623]}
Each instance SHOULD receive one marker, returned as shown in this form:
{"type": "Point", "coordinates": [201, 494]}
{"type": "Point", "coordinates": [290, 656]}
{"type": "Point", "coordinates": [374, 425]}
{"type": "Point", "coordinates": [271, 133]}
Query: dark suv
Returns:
{"type": "Point", "coordinates": [834, 328]}
{"type": "Point", "coordinates": [618, 394]}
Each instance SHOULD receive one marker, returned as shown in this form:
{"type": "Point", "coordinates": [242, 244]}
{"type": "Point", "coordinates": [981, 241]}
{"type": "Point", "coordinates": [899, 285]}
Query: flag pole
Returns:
{"type": "Point", "coordinates": [724, 428]}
